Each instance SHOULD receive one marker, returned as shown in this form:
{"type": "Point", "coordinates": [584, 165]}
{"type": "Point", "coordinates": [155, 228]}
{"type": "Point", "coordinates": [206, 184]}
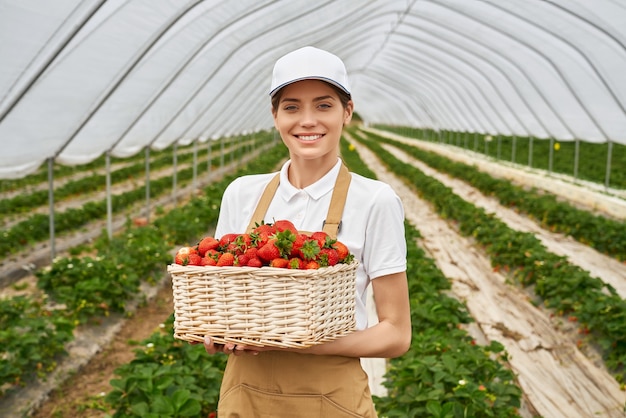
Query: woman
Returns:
{"type": "Point", "coordinates": [311, 102]}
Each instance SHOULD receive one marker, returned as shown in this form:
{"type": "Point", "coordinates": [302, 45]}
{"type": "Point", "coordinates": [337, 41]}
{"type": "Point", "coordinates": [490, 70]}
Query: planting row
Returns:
{"type": "Point", "coordinates": [536, 153]}
{"type": "Point", "coordinates": [99, 279]}
{"type": "Point", "coordinates": [128, 170]}
{"type": "Point", "coordinates": [64, 171]}
{"type": "Point", "coordinates": [606, 235]}
{"type": "Point", "coordinates": [36, 227]}
{"type": "Point", "coordinates": [566, 289]}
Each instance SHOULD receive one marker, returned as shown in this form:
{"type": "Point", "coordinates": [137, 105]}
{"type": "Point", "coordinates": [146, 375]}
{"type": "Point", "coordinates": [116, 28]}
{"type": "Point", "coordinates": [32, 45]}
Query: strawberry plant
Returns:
{"type": "Point", "coordinates": [36, 228]}
{"type": "Point", "coordinates": [167, 378]}
{"type": "Point", "coordinates": [591, 166]}
{"type": "Point", "coordinates": [563, 287]}
{"type": "Point", "coordinates": [31, 337]}
{"type": "Point", "coordinates": [97, 286]}
{"type": "Point", "coordinates": [444, 373]}
{"type": "Point", "coordinates": [606, 235]}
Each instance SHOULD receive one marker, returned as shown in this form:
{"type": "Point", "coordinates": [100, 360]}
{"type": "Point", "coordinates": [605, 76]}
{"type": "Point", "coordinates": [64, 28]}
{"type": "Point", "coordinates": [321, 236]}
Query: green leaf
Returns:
{"type": "Point", "coordinates": [191, 408]}
{"type": "Point", "coordinates": [180, 397]}
{"type": "Point", "coordinates": [162, 406]}
{"type": "Point", "coordinates": [434, 408]}
{"type": "Point", "coordinates": [140, 409]}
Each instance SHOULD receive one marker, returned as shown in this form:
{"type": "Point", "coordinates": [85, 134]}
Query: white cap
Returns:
{"type": "Point", "coordinates": [309, 63]}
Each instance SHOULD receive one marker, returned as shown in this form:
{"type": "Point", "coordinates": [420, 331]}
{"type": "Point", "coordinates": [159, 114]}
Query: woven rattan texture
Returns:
{"type": "Point", "coordinates": [265, 306]}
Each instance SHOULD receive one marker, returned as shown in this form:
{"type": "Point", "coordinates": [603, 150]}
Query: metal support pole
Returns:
{"type": "Point", "coordinates": [222, 153]}
{"type": "Point", "coordinates": [147, 158]}
{"type": "Point", "coordinates": [607, 177]}
{"type": "Point", "coordinates": [175, 173]}
{"type": "Point", "coordinates": [513, 148]}
{"type": "Point", "coordinates": [209, 157]}
{"type": "Point", "coordinates": [242, 150]}
{"type": "Point", "coordinates": [576, 157]}
{"type": "Point", "coordinates": [194, 182]}
{"type": "Point", "coordinates": [51, 207]}
{"type": "Point", "coordinates": [499, 147]}
{"type": "Point", "coordinates": [109, 198]}
{"type": "Point", "coordinates": [231, 145]}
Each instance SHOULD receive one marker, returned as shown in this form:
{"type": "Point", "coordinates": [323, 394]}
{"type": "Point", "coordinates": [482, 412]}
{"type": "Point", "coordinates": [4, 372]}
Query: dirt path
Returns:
{"type": "Point", "coordinates": [81, 395]}
{"type": "Point", "coordinates": [597, 264]}
{"type": "Point", "coordinates": [557, 379]}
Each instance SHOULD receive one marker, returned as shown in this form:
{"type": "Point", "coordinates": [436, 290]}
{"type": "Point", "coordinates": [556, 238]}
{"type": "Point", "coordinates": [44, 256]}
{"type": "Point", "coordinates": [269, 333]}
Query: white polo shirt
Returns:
{"type": "Point", "coordinates": [372, 222]}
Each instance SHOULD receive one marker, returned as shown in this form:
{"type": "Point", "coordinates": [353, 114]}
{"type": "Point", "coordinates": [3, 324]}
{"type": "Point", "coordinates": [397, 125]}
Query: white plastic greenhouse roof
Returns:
{"type": "Point", "coordinates": [79, 78]}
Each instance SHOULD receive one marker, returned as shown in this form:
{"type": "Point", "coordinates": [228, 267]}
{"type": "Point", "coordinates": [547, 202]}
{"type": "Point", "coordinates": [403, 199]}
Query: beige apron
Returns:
{"type": "Point", "coordinates": [282, 384]}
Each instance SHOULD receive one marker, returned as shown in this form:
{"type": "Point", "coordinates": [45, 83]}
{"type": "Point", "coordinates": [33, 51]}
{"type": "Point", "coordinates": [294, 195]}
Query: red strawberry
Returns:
{"type": "Point", "coordinates": [255, 262]}
{"type": "Point", "coordinates": [279, 262]}
{"type": "Point", "coordinates": [264, 229]}
{"type": "Point", "coordinates": [208, 261]}
{"type": "Point", "coordinates": [269, 251]}
{"type": "Point", "coordinates": [226, 259]}
{"type": "Point", "coordinates": [311, 265]}
{"type": "Point", "coordinates": [309, 249]}
{"type": "Point", "coordinates": [296, 263]}
{"type": "Point", "coordinates": [207, 243]}
{"type": "Point", "coordinates": [261, 234]}
{"type": "Point", "coordinates": [182, 255]}
{"type": "Point", "coordinates": [240, 244]}
{"type": "Point", "coordinates": [214, 254]}
{"type": "Point", "coordinates": [297, 244]}
{"type": "Point", "coordinates": [284, 224]}
{"type": "Point", "coordinates": [242, 260]}
{"type": "Point", "coordinates": [194, 260]}
{"type": "Point", "coordinates": [320, 236]}
{"type": "Point", "coordinates": [342, 250]}
{"type": "Point", "coordinates": [252, 252]}
{"type": "Point", "coordinates": [328, 257]}
{"type": "Point", "coordinates": [227, 239]}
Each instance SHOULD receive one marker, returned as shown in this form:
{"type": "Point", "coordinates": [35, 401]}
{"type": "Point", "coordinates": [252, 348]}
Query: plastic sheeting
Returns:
{"type": "Point", "coordinates": [79, 78]}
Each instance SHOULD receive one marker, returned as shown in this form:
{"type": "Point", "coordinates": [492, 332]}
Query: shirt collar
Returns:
{"type": "Point", "coordinates": [315, 191]}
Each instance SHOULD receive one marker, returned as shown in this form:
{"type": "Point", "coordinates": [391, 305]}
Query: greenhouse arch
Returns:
{"type": "Point", "coordinates": [132, 74]}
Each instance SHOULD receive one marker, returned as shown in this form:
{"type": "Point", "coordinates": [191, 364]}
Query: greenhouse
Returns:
{"type": "Point", "coordinates": [499, 124]}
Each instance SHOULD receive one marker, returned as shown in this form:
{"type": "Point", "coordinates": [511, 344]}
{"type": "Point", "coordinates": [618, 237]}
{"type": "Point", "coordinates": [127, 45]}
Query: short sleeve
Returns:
{"type": "Point", "coordinates": [384, 250]}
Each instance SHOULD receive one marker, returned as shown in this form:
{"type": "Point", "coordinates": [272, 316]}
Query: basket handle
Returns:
{"type": "Point", "coordinates": [332, 224]}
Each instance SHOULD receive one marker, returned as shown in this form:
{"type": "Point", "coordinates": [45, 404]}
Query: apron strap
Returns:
{"type": "Point", "coordinates": [332, 224]}
{"type": "Point", "coordinates": [264, 203]}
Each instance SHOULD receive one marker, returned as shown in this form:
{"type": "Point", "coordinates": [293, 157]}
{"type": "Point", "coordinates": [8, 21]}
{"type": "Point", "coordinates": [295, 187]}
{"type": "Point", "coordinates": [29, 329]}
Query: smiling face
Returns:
{"type": "Point", "coordinates": [309, 117]}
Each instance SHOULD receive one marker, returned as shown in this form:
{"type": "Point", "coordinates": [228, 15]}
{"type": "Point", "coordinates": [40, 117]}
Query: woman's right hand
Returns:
{"type": "Point", "coordinates": [228, 348]}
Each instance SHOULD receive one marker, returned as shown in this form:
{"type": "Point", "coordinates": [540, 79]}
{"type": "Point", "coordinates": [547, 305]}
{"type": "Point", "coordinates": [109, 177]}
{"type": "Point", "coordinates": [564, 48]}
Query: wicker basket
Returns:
{"type": "Point", "coordinates": [265, 306]}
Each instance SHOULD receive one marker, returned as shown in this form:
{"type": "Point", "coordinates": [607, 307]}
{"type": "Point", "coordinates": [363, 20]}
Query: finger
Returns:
{"type": "Point", "coordinates": [211, 347]}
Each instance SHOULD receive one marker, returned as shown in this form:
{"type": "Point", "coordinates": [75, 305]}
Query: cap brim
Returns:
{"type": "Point", "coordinates": [327, 80]}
